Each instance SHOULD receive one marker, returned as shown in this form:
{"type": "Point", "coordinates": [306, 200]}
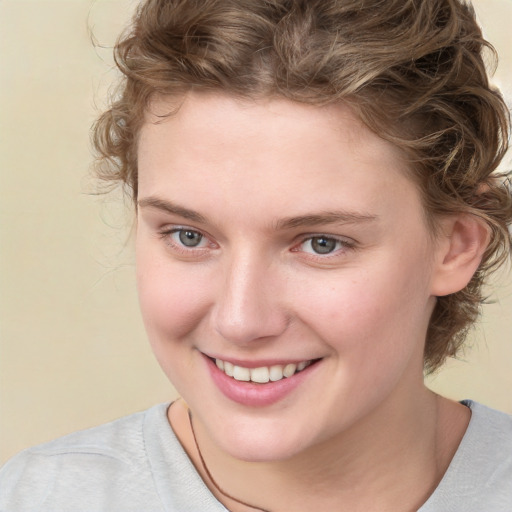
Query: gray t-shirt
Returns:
{"type": "Point", "coordinates": [137, 464]}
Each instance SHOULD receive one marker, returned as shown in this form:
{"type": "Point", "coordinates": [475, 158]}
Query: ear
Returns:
{"type": "Point", "coordinates": [460, 246]}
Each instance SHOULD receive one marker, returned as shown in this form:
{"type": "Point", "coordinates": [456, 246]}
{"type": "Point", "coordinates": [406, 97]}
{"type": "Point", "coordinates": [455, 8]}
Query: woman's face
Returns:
{"type": "Point", "coordinates": [272, 236]}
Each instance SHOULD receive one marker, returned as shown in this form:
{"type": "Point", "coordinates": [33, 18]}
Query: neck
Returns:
{"type": "Point", "coordinates": [391, 454]}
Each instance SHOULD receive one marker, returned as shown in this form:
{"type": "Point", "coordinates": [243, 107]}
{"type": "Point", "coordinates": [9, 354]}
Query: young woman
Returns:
{"type": "Point", "coordinates": [317, 210]}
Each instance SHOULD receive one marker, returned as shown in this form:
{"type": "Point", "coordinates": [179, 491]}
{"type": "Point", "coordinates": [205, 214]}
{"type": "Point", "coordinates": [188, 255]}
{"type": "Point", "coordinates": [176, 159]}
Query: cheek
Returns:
{"type": "Point", "coordinates": [172, 297]}
{"type": "Point", "coordinates": [375, 311]}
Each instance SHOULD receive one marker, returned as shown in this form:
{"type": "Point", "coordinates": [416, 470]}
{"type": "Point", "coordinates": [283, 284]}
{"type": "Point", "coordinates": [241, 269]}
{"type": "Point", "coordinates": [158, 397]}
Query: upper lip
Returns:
{"type": "Point", "coordinates": [253, 363]}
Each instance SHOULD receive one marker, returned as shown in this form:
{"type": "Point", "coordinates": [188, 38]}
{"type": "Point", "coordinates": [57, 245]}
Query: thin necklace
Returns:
{"type": "Point", "coordinates": [207, 471]}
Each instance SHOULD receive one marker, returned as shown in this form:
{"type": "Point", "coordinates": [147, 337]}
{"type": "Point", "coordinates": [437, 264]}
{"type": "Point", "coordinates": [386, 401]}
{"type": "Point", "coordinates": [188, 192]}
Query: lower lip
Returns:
{"type": "Point", "coordinates": [257, 395]}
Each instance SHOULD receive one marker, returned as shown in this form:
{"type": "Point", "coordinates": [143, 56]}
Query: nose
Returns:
{"type": "Point", "coordinates": [248, 305]}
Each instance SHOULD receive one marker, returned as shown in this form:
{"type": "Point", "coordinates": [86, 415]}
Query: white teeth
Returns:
{"type": "Point", "coordinates": [228, 368]}
{"type": "Point", "coordinates": [262, 374]}
{"type": "Point", "coordinates": [276, 373]}
{"type": "Point", "coordinates": [241, 373]}
{"type": "Point", "coordinates": [289, 369]}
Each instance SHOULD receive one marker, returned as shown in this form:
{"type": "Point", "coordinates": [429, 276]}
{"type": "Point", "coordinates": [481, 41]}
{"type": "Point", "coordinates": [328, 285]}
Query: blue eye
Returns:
{"type": "Point", "coordinates": [183, 238]}
{"type": "Point", "coordinates": [189, 238]}
{"type": "Point", "coordinates": [323, 245]}
{"type": "Point", "coordinates": [187, 242]}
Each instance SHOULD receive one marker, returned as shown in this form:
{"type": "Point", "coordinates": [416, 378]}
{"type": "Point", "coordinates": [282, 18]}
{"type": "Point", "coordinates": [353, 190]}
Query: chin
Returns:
{"type": "Point", "coordinates": [263, 442]}
{"type": "Point", "coordinates": [257, 453]}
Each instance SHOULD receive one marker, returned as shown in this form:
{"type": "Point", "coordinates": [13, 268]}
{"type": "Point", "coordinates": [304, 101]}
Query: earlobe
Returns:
{"type": "Point", "coordinates": [461, 245]}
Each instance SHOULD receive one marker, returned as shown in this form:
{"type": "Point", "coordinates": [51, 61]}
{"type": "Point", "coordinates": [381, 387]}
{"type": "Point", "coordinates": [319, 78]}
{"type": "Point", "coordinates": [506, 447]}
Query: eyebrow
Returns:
{"type": "Point", "coordinates": [327, 217]}
{"type": "Point", "coordinates": [171, 208]}
{"type": "Point", "coordinates": [314, 219]}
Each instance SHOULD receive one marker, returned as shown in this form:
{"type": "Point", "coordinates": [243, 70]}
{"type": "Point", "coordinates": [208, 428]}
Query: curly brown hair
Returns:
{"type": "Point", "coordinates": [413, 70]}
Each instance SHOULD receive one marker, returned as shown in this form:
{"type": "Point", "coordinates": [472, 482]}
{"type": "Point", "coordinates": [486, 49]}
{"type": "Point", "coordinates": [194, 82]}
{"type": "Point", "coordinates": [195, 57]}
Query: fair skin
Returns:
{"type": "Point", "coordinates": [273, 233]}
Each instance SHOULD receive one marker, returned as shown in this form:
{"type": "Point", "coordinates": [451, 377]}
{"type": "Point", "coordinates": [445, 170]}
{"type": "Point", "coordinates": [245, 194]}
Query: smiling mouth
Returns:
{"type": "Point", "coordinates": [263, 374]}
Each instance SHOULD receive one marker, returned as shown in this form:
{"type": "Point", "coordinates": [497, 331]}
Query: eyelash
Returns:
{"type": "Point", "coordinates": [166, 235]}
{"type": "Point", "coordinates": [342, 244]}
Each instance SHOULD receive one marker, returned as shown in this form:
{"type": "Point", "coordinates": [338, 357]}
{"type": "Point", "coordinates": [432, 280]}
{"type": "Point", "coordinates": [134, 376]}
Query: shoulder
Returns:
{"type": "Point", "coordinates": [119, 440]}
{"type": "Point", "coordinates": [480, 474]}
{"type": "Point", "coordinates": [488, 440]}
{"type": "Point", "coordinates": [81, 468]}
{"type": "Point", "coordinates": [484, 417]}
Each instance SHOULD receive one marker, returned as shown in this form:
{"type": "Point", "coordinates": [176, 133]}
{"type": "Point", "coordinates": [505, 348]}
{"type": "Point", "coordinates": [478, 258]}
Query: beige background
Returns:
{"type": "Point", "coordinates": [72, 349]}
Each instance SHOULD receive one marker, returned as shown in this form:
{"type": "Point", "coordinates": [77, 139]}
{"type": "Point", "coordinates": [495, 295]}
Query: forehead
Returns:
{"type": "Point", "coordinates": [206, 118]}
{"type": "Point", "coordinates": [271, 154]}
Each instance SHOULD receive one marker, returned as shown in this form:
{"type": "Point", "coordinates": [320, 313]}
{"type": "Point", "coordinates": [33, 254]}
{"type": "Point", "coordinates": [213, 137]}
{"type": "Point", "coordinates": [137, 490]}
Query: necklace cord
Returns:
{"type": "Point", "coordinates": [207, 471]}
